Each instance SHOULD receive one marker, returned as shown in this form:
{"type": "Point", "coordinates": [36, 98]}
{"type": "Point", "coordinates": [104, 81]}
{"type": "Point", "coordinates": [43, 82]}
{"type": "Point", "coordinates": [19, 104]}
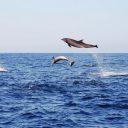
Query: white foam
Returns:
{"type": "Point", "coordinates": [111, 73]}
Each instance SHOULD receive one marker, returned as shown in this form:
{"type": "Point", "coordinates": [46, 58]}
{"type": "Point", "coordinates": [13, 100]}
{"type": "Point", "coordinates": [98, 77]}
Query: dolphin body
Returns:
{"type": "Point", "coordinates": [78, 44]}
{"type": "Point", "coordinates": [60, 58]}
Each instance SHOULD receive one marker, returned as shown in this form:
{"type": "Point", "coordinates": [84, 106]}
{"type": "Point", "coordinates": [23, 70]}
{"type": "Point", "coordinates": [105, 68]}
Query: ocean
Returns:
{"type": "Point", "coordinates": [93, 93]}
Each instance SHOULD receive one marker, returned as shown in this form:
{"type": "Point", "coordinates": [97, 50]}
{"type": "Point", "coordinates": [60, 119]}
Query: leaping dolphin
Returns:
{"type": "Point", "coordinates": [60, 58]}
{"type": "Point", "coordinates": [78, 44]}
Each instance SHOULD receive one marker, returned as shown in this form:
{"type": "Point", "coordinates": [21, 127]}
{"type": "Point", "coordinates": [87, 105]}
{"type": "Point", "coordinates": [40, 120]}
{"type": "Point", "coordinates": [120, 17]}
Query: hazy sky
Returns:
{"type": "Point", "coordinates": [38, 25]}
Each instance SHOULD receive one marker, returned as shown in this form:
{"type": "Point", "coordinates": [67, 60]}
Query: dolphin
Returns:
{"type": "Point", "coordinates": [2, 69]}
{"type": "Point", "coordinates": [60, 58]}
{"type": "Point", "coordinates": [78, 44]}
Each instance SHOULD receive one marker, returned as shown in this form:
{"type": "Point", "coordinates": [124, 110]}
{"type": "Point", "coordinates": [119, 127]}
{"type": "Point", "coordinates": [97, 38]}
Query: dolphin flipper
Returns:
{"type": "Point", "coordinates": [69, 45]}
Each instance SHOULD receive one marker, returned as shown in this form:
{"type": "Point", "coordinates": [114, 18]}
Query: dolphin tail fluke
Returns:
{"type": "Point", "coordinates": [53, 60]}
{"type": "Point", "coordinates": [72, 63]}
{"type": "Point", "coordinates": [96, 46]}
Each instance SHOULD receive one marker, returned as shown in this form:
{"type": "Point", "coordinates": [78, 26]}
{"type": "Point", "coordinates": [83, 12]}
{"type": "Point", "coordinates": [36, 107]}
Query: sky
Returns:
{"type": "Point", "coordinates": [37, 26]}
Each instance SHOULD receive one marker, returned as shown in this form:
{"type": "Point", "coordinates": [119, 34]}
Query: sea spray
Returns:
{"type": "Point", "coordinates": [99, 61]}
{"type": "Point", "coordinates": [104, 70]}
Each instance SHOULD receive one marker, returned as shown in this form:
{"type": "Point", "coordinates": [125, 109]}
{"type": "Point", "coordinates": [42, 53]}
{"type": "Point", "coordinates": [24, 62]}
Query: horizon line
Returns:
{"type": "Point", "coordinates": [63, 52]}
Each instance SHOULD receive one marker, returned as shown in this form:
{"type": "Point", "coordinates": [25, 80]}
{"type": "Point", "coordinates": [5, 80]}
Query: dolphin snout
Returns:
{"type": "Point", "coordinates": [64, 39]}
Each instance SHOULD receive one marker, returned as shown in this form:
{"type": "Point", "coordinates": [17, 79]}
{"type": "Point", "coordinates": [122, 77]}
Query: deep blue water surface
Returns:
{"type": "Point", "coordinates": [93, 93]}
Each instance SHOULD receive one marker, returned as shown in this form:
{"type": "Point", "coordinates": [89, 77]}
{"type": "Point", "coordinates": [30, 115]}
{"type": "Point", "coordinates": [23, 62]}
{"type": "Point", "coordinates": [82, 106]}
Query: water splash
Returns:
{"type": "Point", "coordinates": [99, 61]}
{"type": "Point", "coordinates": [2, 68]}
{"type": "Point", "coordinates": [104, 70]}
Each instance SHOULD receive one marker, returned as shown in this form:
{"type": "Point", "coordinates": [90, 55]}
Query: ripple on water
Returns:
{"type": "Point", "coordinates": [110, 105]}
{"type": "Point", "coordinates": [71, 104]}
{"type": "Point", "coordinates": [112, 117]}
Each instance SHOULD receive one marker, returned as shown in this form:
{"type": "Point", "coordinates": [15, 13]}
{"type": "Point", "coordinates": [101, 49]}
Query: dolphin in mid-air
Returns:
{"type": "Point", "coordinates": [78, 44]}
{"type": "Point", "coordinates": [60, 58]}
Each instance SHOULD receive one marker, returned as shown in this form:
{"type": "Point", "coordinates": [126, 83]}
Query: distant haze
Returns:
{"type": "Point", "coordinates": [39, 25]}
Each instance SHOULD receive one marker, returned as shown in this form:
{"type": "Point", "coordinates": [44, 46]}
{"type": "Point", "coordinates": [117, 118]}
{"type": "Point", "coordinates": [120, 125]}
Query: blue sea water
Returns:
{"type": "Point", "coordinates": [93, 93]}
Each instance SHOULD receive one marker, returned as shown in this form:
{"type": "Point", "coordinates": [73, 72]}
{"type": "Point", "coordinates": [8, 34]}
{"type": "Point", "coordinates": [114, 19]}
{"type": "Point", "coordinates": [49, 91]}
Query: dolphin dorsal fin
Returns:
{"type": "Point", "coordinates": [81, 40]}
